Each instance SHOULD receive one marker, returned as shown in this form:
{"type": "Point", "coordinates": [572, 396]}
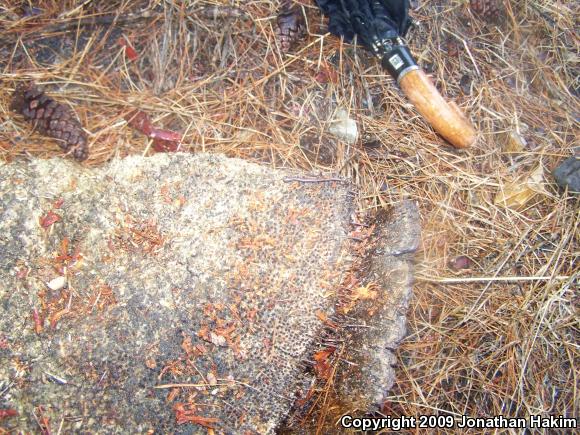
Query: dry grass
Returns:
{"type": "Point", "coordinates": [498, 338]}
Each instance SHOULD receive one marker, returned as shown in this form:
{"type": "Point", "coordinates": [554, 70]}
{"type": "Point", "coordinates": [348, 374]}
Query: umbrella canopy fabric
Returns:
{"type": "Point", "coordinates": [371, 20]}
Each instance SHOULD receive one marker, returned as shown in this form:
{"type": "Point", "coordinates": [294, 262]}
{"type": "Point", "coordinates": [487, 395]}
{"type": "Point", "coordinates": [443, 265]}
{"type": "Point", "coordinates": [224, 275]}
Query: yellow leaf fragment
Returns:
{"type": "Point", "coordinates": [513, 142]}
{"type": "Point", "coordinates": [365, 292]}
{"type": "Point", "coordinates": [518, 193]}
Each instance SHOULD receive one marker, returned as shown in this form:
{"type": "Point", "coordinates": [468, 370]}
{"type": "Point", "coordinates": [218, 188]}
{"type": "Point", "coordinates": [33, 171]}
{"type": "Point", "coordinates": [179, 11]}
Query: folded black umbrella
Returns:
{"type": "Point", "coordinates": [379, 26]}
{"type": "Point", "coordinates": [371, 20]}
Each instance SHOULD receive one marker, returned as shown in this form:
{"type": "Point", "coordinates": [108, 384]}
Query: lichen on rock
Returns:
{"type": "Point", "coordinates": [170, 293]}
{"type": "Point", "coordinates": [195, 270]}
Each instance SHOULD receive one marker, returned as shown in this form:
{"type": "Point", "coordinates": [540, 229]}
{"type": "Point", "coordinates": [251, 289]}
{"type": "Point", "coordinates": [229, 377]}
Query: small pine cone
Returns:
{"type": "Point", "coordinates": [490, 11]}
{"type": "Point", "coordinates": [51, 118]}
{"type": "Point", "coordinates": [291, 26]}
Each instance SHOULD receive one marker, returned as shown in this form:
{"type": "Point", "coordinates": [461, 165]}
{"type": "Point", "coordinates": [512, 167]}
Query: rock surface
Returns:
{"type": "Point", "coordinates": [180, 270]}
{"type": "Point", "coordinates": [371, 322]}
{"type": "Point", "coordinates": [567, 174]}
{"type": "Point", "coordinates": [343, 127]}
{"type": "Point", "coordinates": [171, 293]}
{"type": "Point", "coordinates": [381, 312]}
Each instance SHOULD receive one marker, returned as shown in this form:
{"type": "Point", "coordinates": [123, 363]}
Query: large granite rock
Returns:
{"type": "Point", "coordinates": [172, 293]}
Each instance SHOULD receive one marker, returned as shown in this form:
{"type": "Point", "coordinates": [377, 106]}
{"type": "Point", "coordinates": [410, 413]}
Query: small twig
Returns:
{"type": "Point", "coordinates": [312, 180]}
{"type": "Point", "coordinates": [60, 426]}
{"type": "Point", "coordinates": [163, 386]}
{"type": "Point", "coordinates": [102, 377]}
{"type": "Point", "coordinates": [56, 378]}
{"type": "Point", "coordinates": [491, 279]}
{"type": "Point", "coordinates": [4, 390]}
{"type": "Point", "coordinates": [40, 31]}
{"type": "Point", "coordinates": [216, 12]}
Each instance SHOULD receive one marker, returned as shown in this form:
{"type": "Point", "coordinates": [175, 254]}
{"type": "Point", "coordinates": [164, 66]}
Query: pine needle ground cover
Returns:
{"type": "Point", "coordinates": [494, 322]}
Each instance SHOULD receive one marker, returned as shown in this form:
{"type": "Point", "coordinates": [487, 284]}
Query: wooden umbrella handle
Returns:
{"type": "Point", "coordinates": [446, 118]}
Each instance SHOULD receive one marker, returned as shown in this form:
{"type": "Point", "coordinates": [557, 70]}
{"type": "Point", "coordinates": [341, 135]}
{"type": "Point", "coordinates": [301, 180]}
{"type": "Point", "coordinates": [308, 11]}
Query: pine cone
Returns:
{"type": "Point", "coordinates": [291, 25]}
{"type": "Point", "coordinates": [51, 118]}
{"type": "Point", "coordinates": [487, 10]}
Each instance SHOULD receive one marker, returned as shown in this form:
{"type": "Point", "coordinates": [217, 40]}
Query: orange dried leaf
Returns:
{"type": "Point", "coordinates": [131, 53]}
{"type": "Point", "coordinates": [37, 321]}
{"type": "Point", "coordinates": [324, 319]}
{"type": "Point", "coordinates": [164, 146]}
{"type": "Point", "coordinates": [324, 354]}
{"type": "Point", "coordinates": [201, 349]}
{"type": "Point", "coordinates": [57, 316]}
{"type": "Point", "coordinates": [5, 413]}
{"type": "Point", "coordinates": [365, 292]}
{"type": "Point", "coordinates": [326, 74]}
{"type": "Point", "coordinates": [167, 135]}
{"type": "Point", "coordinates": [64, 247]}
{"type": "Point", "coordinates": [203, 333]}
{"type": "Point", "coordinates": [129, 50]}
{"type": "Point", "coordinates": [322, 367]}
{"type": "Point", "coordinates": [186, 414]}
{"type": "Point", "coordinates": [208, 422]}
{"type": "Point", "coordinates": [172, 394]}
{"type": "Point", "coordinates": [186, 345]}
{"type": "Point", "coordinates": [226, 330]}
{"type": "Point", "coordinates": [139, 121]}
{"type": "Point", "coordinates": [165, 140]}
{"type": "Point", "coordinates": [48, 219]}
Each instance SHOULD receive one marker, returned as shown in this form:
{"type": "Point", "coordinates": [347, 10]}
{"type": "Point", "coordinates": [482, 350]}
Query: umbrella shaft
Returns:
{"type": "Point", "coordinates": [446, 118]}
